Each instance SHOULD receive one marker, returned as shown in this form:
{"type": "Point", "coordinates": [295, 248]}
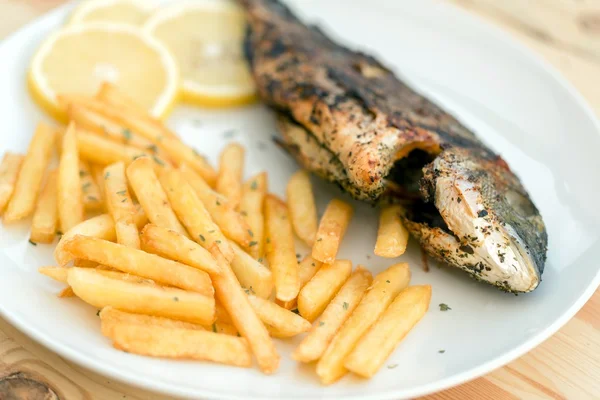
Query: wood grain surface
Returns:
{"type": "Point", "coordinates": [567, 366]}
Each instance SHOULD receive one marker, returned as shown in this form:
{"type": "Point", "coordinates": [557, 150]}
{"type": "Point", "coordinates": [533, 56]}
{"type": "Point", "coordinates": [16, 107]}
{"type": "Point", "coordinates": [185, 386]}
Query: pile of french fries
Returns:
{"type": "Point", "coordinates": [185, 261]}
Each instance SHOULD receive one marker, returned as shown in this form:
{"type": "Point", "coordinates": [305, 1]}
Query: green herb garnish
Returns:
{"type": "Point", "coordinates": [444, 307]}
{"type": "Point", "coordinates": [158, 161]}
{"type": "Point", "coordinates": [126, 134]}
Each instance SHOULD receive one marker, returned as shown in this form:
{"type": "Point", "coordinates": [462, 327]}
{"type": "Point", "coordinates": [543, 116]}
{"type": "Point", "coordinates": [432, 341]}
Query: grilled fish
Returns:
{"type": "Point", "coordinates": [346, 117]}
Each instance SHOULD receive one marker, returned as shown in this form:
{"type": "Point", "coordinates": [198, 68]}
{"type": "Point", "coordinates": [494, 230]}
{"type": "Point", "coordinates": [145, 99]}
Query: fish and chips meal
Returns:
{"type": "Point", "coordinates": [184, 259]}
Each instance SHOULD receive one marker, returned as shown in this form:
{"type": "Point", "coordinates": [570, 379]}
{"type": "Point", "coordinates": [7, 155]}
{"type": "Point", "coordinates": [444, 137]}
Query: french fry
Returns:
{"type": "Point", "coordinates": [99, 150]}
{"type": "Point", "coordinates": [252, 275]}
{"type": "Point", "coordinates": [97, 172]}
{"type": "Point", "coordinates": [93, 199]}
{"type": "Point", "coordinates": [29, 181]}
{"type": "Point", "coordinates": [387, 332]}
{"type": "Point", "coordinates": [392, 236]}
{"type": "Point", "coordinates": [101, 227]}
{"type": "Point", "coordinates": [231, 295]}
{"type": "Point", "coordinates": [223, 328]}
{"type": "Point", "coordinates": [307, 268]}
{"type": "Point", "coordinates": [110, 317]}
{"type": "Point", "coordinates": [151, 195]}
{"type": "Point", "coordinates": [378, 297]}
{"type": "Point", "coordinates": [120, 205]}
{"type": "Point", "coordinates": [231, 168]}
{"type": "Point", "coordinates": [70, 199]}
{"type": "Point", "coordinates": [112, 95]}
{"type": "Point", "coordinates": [99, 290]}
{"type": "Point", "coordinates": [192, 213]}
{"type": "Point", "coordinates": [139, 263]}
{"type": "Point", "coordinates": [223, 323]}
{"type": "Point", "coordinates": [9, 171]}
{"type": "Point", "coordinates": [251, 208]}
{"type": "Point", "coordinates": [92, 122]}
{"type": "Point", "coordinates": [280, 248]}
{"type": "Point", "coordinates": [175, 246]}
{"type": "Point", "coordinates": [279, 322]}
{"type": "Point", "coordinates": [158, 134]}
{"type": "Point", "coordinates": [66, 292]}
{"type": "Point", "coordinates": [337, 312]}
{"type": "Point", "coordinates": [78, 262]}
{"type": "Point", "coordinates": [318, 292]}
{"type": "Point", "coordinates": [45, 217]}
{"type": "Point", "coordinates": [301, 202]}
{"type": "Point", "coordinates": [331, 230]}
{"type": "Point", "coordinates": [231, 222]}
{"type": "Point", "coordinates": [158, 341]}
{"type": "Point", "coordinates": [59, 274]}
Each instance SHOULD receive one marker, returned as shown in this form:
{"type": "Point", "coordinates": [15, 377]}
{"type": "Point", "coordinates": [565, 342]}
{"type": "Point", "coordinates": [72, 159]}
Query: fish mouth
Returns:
{"type": "Point", "coordinates": [459, 210]}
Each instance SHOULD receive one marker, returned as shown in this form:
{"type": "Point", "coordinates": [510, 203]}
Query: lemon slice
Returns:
{"type": "Point", "coordinates": [79, 58]}
{"type": "Point", "coordinates": [132, 12]}
{"type": "Point", "coordinates": [205, 37]}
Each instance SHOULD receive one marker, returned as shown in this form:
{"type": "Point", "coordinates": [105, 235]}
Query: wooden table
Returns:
{"type": "Point", "coordinates": [567, 366]}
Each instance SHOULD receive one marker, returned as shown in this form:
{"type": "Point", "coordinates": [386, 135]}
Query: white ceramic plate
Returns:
{"type": "Point", "coordinates": [516, 103]}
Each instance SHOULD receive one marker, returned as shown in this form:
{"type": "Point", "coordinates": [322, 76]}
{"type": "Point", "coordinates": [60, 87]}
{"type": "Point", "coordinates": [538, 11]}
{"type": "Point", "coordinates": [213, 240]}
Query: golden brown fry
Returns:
{"type": "Point", "coordinates": [112, 95]}
{"type": "Point", "coordinates": [387, 332]}
{"type": "Point", "coordinates": [301, 202]}
{"type": "Point", "coordinates": [231, 222]}
{"type": "Point", "coordinates": [59, 274]}
{"type": "Point", "coordinates": [92, 196]}
{"type": "Point", "coordinates": [99, 289]}
{"type": "Point", "coordinates": [384, 289]}
{"type": "Point", "coordinates": [280, 248]}
{"type": "Point", "coordinates": [192, 212]}
{"type": "Point", "coordinates": [101, 226]}
{"type": "Point", "coordinates": [318, 292]}
{"type": "Point", "coordinates": [279, 322]}
{"type": "Point", "coordinates": [331, 230]}
{"type": "Point", "coordinates": [151, 195]}
{"type": "Point", "coordinates": [231, 169]}
{"type": "Point", "coordinates": [29, 180]}
{"type": "Point", "coordinates": [174, 246]}
{"type": "Point", "coordinates": [92, 122]}
{"type": "Point", "coordinates": [120, 205]}
{"type": "Point", "coordinates": [9, 171]}
{"type": "Point", "coordinates": [139, 263]}
{"type": "Point", "coordinates": [223, 323]}
{"type": "Point", "coordinates": [223, 328]}
{"type": "Point", "coordinates": [66, 292]}
{"type": "Point", "coordinates": [307, 268]}
{"type": "Point", "coordinates": [392, 236]}
{"type": "Point", "coordinates": [158, 134]}
{"type": "Point", "coordinates": [252, 275]}
{"type": "Point", "coordinates": [234, 300]}
{"type": "Point", "coordinates": [70, 199]}
{"type": "Point", "coordinates": [158, 341]}
{"type": "Point", "coordinates": [45, 217]}
{"type": "Point", "coordinates": [97, 173]}
{"type": "Point", "coordinates": [251, 207]}
{"type": "Point", "coordinates": [78, 262]}
{"type": "Point", "coordinates": [111, 317]}
{"type": "Point", "coordinates": [337, 312]}
{"type": "Point", "coordinates": [99, 150]}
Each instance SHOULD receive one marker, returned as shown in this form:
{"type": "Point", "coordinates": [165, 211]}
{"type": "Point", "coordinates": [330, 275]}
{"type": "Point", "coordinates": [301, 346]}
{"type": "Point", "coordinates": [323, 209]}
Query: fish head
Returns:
{"type": "Point", "coordinates": [477, 216]}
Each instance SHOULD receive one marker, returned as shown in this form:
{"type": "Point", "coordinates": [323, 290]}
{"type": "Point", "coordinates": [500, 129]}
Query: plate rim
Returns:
{"type": "Point", "coordinates": [139, 381]}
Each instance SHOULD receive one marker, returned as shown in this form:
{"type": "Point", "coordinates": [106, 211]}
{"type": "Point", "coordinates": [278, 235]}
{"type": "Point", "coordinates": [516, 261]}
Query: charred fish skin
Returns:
{"type": "Point", "coordinates": [349, 119]}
